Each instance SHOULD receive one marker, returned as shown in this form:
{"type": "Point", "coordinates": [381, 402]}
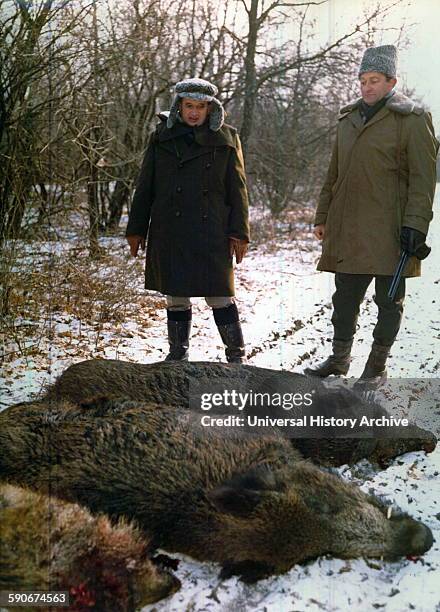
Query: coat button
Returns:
{"type": "Point", "coordinates": [178, 213]}
{"type": "Point", "coordinates": [205, 216]}
{"type": "Point", "coordinates": [205, 192]}
{"type": "Point", "coordinates": [208, 165]}
{"type": "Point", "coordinates": [180, 165]}
{"type": "Point", "coordinates": [179, 189]}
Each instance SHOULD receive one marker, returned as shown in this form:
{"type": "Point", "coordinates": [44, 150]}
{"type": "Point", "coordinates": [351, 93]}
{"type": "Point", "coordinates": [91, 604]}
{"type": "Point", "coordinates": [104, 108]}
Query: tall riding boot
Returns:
{"type": "Point", "coordinates": [375, 372]}
{"type": "Point", "coordinates": [338, 363]}
{"type": "Point", "coordinates": [229, 327]}
{"type": "Point", "coordinates": [179, 327]}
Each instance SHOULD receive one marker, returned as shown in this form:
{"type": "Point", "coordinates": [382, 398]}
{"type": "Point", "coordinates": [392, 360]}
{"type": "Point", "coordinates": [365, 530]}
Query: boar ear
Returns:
{"type": "Point", "coordinates": [238, 502]}
{"type": "Point", "coordinates": [243, 492]}
{"type": "Point", "coordinates": [259, 478]}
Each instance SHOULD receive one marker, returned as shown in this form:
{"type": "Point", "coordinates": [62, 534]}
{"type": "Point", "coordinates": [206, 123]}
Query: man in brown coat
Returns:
{"type": "Point", "coordinates": [375, 203]}
{"type": "Point", "coordinates": [191, 200]}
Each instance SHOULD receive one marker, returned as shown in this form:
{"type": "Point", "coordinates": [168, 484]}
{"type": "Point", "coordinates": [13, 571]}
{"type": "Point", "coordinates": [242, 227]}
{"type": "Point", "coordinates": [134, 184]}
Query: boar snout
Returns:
{"type": "Point", "coordinates": [412, 539]}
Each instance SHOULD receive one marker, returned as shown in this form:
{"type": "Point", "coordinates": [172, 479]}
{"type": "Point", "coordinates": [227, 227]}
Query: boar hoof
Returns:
{"type": "Point", "coordinates": [248, 571]}
{"type": "Point", "coordinates": [165, 562]}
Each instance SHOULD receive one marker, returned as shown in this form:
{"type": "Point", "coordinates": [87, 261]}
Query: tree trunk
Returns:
{"type": "Point", "coordinates": [250, 87]}
{"type": "Point", "coordinates": [44, 204]}
{"type": "Point", "coordinates": [118, 199]}
{"type": "Point", "coordinates": [93, 207]}
{"type": "Point", "coordinates": [93, 156]}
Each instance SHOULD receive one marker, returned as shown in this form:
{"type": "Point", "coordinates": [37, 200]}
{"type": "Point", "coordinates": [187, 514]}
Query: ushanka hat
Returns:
{"type": "Point", "coordinates": [380, 59]}
{"type": "Point", "coordinates": [198, 89]}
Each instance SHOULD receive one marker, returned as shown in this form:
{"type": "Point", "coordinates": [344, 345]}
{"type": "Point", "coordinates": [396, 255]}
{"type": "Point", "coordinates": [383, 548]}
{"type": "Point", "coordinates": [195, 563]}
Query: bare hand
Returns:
{"type": "Point", "coordinates": [135, 242]}
{"type": "Point", "coordinates": [238, 248]}
{"type": "Point", "coordinates": [319, 231]}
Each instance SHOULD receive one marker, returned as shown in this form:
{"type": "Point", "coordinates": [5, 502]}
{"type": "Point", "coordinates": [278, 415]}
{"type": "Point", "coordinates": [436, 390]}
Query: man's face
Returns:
{"type": "Point", "coordinates": [374, 86]}
{"type": "Point", "coordinates": [194, 112]}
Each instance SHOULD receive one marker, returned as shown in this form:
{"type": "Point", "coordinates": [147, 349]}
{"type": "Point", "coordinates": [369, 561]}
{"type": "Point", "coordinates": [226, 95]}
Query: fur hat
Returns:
{"type": "Point", "coordinates": [198, 89]}
{"type": "Point", "coordinates": [380, 59]}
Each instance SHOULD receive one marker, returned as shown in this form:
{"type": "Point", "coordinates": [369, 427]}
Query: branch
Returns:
{"type": "Point", "coordinates": [245, 6]}
{"type": "Point", "coordinates": [277, 4]}
{"type": "Point", "coordinates": [320, 54]}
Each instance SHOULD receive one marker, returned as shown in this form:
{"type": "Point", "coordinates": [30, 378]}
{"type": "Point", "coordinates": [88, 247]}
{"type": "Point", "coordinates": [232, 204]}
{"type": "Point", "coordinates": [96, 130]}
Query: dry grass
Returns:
{"type": "Point", "coordinates": [290, 226]}
{"type": "Point", "coordinates": [68, 287]}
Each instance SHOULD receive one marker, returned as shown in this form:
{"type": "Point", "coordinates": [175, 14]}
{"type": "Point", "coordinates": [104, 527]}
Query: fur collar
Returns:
{"type": "Point", "coordinates": [398, 103]}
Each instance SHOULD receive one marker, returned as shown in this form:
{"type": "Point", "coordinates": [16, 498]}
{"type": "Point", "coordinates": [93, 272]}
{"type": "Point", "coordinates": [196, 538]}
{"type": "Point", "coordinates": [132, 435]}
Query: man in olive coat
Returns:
{"type": "Point", "coordinates": [375, 203]}
{"type": "Point", "coordinates": [191, 200]}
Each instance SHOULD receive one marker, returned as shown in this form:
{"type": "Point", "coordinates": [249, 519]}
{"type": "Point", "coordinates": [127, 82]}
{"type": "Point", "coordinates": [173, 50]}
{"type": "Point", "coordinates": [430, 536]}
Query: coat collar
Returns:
{"type": "Point", "coordinates": [203, 135]}
{"type": "Point", "coordinates": [357, 120]}
{"type": "Point", "coordinates": [398, 103]}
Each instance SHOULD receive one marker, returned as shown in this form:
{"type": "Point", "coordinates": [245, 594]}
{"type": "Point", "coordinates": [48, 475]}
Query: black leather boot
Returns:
{"type": "Point", "coordinates": [375, 372]}
{"type": "Point", "coordinates": [338, 363]}
{"type": "Point", "coordinates": [230, 332]}
{"type": "Point", "coordinates": [179, 327]}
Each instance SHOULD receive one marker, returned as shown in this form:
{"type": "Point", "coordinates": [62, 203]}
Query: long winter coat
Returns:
{"type": "Point", "coordinates": [381, 177]}
{"type": "Point", "coordinates": [190, 199]}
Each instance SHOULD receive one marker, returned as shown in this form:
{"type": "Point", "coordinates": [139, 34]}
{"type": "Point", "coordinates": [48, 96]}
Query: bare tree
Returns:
{"type": "Point", "coordinates": [144, 47]}
{"type": "Point", "coordinates": [261, 17]}
{"type": "Point", "coordinates": [29, 50]}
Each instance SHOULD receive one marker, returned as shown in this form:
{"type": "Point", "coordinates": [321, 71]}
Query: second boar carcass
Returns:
{"type": "Point", "coordinates": [249, 503]}
{"type": "Point", "coordinates": [171, 384]}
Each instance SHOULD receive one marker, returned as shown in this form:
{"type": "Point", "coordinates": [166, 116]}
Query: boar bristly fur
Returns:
{"type": "Point", "coordinates": [171, 384]}
{"type": "Point", "coordinates": [47, 544]}
{"type": "Point", "coordinates": [250, 503]}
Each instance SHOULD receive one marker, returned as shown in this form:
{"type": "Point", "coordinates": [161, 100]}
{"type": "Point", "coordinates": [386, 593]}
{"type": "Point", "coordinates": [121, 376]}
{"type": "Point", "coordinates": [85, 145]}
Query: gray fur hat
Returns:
{"type": "Point", "coordinates": [380, 59]}
{"type": "Point", "coordinates": [198, 89]}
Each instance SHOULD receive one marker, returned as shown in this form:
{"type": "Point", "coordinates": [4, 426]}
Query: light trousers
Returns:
{"type": "Point", "coordinates": [184, 303]}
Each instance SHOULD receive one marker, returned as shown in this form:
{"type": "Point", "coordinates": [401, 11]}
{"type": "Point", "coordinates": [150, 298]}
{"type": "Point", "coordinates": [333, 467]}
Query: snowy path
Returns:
{"type": "Point", "coordinates": [286, 319]}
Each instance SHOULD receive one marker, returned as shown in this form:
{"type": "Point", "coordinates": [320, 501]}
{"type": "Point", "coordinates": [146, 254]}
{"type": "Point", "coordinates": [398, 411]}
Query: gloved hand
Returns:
{"type": "Point", "coordinates": [411, 239]}
{"type": "Point", "coordinates": [135, 242]}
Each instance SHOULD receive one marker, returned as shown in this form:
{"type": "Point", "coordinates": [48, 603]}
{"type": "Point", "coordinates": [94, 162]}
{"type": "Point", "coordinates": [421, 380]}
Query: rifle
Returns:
{"type": "Point", "coordinates": [421, 253]}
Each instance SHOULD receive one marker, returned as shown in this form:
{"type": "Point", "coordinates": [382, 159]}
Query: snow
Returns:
{"type": "Point", "coordinates": [285, 307]}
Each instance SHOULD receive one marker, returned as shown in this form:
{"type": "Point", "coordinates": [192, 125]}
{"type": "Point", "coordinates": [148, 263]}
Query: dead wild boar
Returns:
{"type": "Point", "coordinates": [171, 384]}
{"type": "Point", "coordinates": [250, 503]}
{"type": "Point", "coordinates": [49, 544]}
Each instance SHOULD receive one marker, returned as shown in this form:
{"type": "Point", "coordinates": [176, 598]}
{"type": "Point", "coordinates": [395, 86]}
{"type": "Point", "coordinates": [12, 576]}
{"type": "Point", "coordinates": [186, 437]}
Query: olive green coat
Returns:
{"type": "Point", "coordinates": [190, 200]}
{"type": "Point", "coordinates": [382, 176]}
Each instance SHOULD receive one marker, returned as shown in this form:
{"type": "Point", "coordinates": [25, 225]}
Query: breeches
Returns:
{"type": "Point", "coordinates": [350, 291]}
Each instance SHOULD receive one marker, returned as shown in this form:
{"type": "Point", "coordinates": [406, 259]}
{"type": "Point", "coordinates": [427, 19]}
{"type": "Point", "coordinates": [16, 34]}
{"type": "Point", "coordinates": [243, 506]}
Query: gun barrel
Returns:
{"type": "Point", "coordinates": [404, 256]}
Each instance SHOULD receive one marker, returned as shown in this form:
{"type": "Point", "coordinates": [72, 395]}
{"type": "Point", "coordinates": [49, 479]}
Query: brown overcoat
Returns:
{"type": "Point", "coordinates": [190, 199]}
{"type": "Point", "coordinates": [382, 176]}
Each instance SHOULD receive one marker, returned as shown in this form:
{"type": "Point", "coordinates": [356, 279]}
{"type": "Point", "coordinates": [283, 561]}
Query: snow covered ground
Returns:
{"type": "Point", "coordinates": [286, 310]}
{"type": "Point", "coordinates": [286, 307]}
